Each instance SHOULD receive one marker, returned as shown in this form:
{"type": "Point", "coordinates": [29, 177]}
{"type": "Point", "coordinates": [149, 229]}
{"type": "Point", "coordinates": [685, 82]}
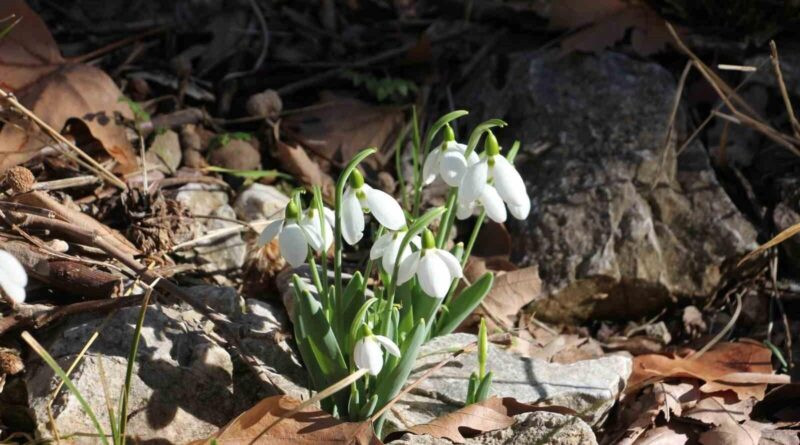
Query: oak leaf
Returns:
{"type": "Point", "coordinates": [56, 91]}
{"type": "Point", "coordinates": [513, 289]}
{"type": "Point", "coordinates": [309, 426]}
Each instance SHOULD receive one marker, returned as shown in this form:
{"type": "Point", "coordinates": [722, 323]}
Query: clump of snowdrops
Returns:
{"type": "Point", "coordinates": [374, 321]}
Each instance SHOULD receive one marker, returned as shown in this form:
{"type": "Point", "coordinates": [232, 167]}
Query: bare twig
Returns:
{"type": "Point", "coordinates": [776, 65]}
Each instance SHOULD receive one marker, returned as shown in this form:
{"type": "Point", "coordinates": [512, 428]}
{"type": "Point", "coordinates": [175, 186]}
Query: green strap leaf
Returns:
{"type": "Point", "coordinates": [390, 383]}
{"type": "Point", "coordinates": [466, 302]}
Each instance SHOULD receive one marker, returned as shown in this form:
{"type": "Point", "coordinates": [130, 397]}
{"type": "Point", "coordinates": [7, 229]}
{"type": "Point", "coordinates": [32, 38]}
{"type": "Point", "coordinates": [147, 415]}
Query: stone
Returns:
{"type": "Point", "coordinates": [237, 154]}
{"type": "Point", "coordinates": [219, 254]}
{"type": "Point", "coordinates": [164, 153]}
{"type": "Point", "coordinates": [530, 429]}
{"type": "Point", "coordinates": [259, 202]}
{"type": "Point", "coordinates": [589, 387]}
{"type": "Point", "coordinates": [184, 385]}
{"type": "Point", "coordinates": [620, 224]}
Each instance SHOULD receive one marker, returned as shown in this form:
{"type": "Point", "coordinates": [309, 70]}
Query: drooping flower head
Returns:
{"type": "Point", "coordinates": [13, 278]}
{"type": "Point", "coordinates": [491, 178]}
{"type": "Point", "coordinates": [367, 353]}
{"type": "Point", "coordinates": [360, 198]}
{"type": "Point", "coordinates": [435, 268]}
{"type": "Point", "coordinates": [448, 161]}
{"type": "Point", "coordinates": [297, 231]}
{"type": "Point", "coordinates": [387, 246]}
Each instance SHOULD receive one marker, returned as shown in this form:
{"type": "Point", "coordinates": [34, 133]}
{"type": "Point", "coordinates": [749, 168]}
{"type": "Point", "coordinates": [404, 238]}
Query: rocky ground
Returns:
{"type": "Point", "coordinates": [641, 209]}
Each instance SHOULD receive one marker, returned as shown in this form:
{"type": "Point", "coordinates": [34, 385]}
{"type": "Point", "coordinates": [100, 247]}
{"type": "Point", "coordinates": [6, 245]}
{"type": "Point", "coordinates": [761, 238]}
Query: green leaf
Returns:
{"type": "Point", "coordinates": [466, 302]}
{"type": "Point", "coordinates": [310, 359]}
{"type": "Point", "coordinates": [389, 384]}
{"type": "Point", "coordinates": [483, 389]}
{"type": "Point", "coordinates": [368, 407]}
{"type": "Point", "coordinates": [319, 331]}
{"type": "Point", "coordinates": [471, 388]}
{"type": "Point", "coordinates": [475, 137]}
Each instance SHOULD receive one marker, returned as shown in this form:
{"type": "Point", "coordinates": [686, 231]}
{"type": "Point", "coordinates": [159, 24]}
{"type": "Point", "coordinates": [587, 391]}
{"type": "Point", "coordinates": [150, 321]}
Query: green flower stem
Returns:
{"type": "Point", "coordinates": [473, 237]}
{"type": "Point", "coordinates": [126, 389]}
{"type": "Point", "coordinates": [323, 255]}
{"type": "Point", "coordinates": [371, 262]}
{"type": "Point", "coordinates": [415, 152]}
{"type": "Point", "coordinates": [448, 219]}
{"type": "Point", "coordinates": [337, 236]}
{"type": "Point", "coordinates": [325, 299]}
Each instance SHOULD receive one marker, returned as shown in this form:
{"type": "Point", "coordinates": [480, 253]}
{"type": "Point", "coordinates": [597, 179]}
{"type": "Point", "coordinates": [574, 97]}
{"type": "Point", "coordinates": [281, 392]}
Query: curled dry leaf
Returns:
{"type": "Point", "coordinates": [492, 414]}
{"type": "Point", "coordinates": [337, 128]}
{"type": "Point", "coordinates": [731, 433]}
{"type": "Point", "coordinates": [56, 91]}
{"type": "Point", "coordinates": [307, 426]}
{"type": "Point", "coordinates": [743, 367]}
{"type": "Point", "coordinates": [297, 162]}
{"type": "Point", "coordinates": [663, 435]}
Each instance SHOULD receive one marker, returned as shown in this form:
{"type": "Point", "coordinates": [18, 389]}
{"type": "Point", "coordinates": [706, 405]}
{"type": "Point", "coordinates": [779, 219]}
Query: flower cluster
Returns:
{"type": "Point", "coordinates": [346, 326]}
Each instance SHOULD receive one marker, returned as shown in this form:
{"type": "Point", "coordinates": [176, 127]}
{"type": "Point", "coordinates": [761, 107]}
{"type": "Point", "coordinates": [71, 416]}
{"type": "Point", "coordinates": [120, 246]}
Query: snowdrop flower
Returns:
{"type": "Point", "coordinates": [435, 268]}
{"type": "Point", "coordinates": [292, 234]}
{"type": "Point", "coordinates": [387, 246]}
{"type": "Point", "coordinates": [367, 353]}
{"type": "Point", "coordinates": [360, 198]}
{"type": "Point", "coordinates": [448, 161]}
{"type": "Point", "coordinates": [314, 230]}
{"type": "Point", "coordinates": [495, 172]}
{"type": "Point", "coordinates": [13, 278]}
{"type": "Point", "coordinates": [491, 201]}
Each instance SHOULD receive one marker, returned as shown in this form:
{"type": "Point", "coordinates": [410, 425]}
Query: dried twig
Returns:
{"type": "Point", "coordinates": [776, 65]}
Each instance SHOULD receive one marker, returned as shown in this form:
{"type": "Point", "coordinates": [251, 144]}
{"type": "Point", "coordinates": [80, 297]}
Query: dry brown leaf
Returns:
{"type": "Point", "coordinates": [512, 290]}
{"type": "Point", "coordinates": [743, 367]}
{"type": "Point", "coordinates": [337, 128]}
{"type": "Point", "coordinates": [32, 68]}
{"type": "Point", "coordinates": [560, 347]}
{"type": "Point", "coordinates": [296, 161]}
{"type": "Point", "coordinates": [308, 426]}
{"type": "Point", "coordinates": [492, 414]}
{"type": "Point", "coordinates": [663, 435]}
{"type": "Point", "coordinates": [606, 23]}
{"type": "Point", "coordinates": [719, 409]}
{"type": "Point", "coordinates": [731, 433]}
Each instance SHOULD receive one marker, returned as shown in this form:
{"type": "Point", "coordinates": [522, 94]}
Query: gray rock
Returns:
{"type": "Point", "coordinates": [589, 387]}
{"type": "Point", "coordinates": [184, 385]}
{"type": "Point", "coordinates": [259, 201]}
{"type": "Point", "coordinates": [220, 254]}
{"type": "Point", "coordinates": [618, 225]}
{"type": "Point", "coordinates": [535, 428]}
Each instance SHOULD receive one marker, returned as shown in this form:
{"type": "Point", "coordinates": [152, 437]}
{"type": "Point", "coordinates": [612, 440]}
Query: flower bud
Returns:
{"type": "Point", "coordinates": [428, 241]}
{"type": "Point", "coordinates": [356, 179]}
{"type": "Point", "coordinates": [449, 134]}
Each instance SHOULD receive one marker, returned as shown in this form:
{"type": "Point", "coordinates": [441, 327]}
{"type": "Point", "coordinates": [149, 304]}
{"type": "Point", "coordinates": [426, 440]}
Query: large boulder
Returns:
{"type": "Point", "coordinates": [184, 385]}
{"type": "Point", "coordinates": [620, 223]}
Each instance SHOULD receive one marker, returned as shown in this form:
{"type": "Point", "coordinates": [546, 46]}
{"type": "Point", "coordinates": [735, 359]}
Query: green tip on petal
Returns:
{"type": "Point", "coordinates": [491, 145]}
{"type": "Point", "coordinates": [428, 240]}
{"type": "Point", "coordinates": [356, 179]}
{"type": "Point", "coordinates": [449, 134]}
{"type": "Point", "coordinates": [292, 210]}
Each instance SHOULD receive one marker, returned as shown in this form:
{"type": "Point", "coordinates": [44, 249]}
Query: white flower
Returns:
{"type": "Point", "coordinates": [13, 278]}
{"type": "Point", "coordinates": [359, 198]}
{"type": "Point", "coordinates": [494, 170]}
{"type": "Point", "coordinates": [435, 268]}
{"type": "Point", "coordinates": [491, 201]}
{"type": "Point", "coordinates": [314, 230]}
{"type": "Point", "coordinates": [448, 161]}
{"type": "Point", "coordinates": [387, 246]}
{"type": "Point", "coordinates": [367, 352]}
{"type": "Point", "coordinates": [295, 233]}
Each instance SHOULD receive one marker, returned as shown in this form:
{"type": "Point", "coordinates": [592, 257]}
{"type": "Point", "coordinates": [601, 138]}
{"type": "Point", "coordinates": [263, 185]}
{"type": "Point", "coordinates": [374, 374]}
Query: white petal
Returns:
{"type": "Point", "coordinates": [464, 211]}
{"type": "Point", "coordinates": [521, 212]}
{"type": "Point", "coordinates": [380, 246]}
{"type": "Point", "coordinates": [352, 218]}
{"type": "Point", "coordinates": [385, 208]}
{"type": "Point", "coordinates": [270, 232]}
{"type": "Point", "coordinates": [14, 292]}
{"type": "Point", "coordinates": [473, 158]}
{"type": "Point", "coordinates": [431, 166]}
{"type": "Point", "coordinates": [493, 204]}
{"type": "Point", "coordinates": [390, 255]}
{"type": "Point", "coordinates": [330, 216]}
{"type": "Point", "coordinates": [452, 167]}
{"type": "Point", "coordinates": [455, 146]}
{"type": "Point", "coordinates": [310, 225]}
{"type": "Point", "coordinates": [407, 268]}
{"type": "Point", "coordinates": [12, 270]}
{"type": "Point", "coordinates": [473, 183]}
{"type": "Point", "coordinates": [388, 344]}
{"type": "Point", "coordinates": [508, 182]}
{"type": "Point", "coordinates": [453, 266]}
{"type": "Point", "coordinates": [294, 246]}
{"type": "Point", "coordinates": [434, 275]}
{"type": "Point", "coordinates": [360, 354]}
{"type": "Point", "coordinates": [416, 241]}
{"type": "Point", "coordinates": [373, 355]}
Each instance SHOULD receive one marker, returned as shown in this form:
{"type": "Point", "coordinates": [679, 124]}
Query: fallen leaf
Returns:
{"type": "Point", "coordinates": [743, 367]}
{"type": "Point", "coordinates": [493, 241]}
{"type": "Point", "coordinates": [492, 414]}
{"type": "Point", "coordinates": [534, 341]}
{"type": "Point", "coordinates": [663, 435]}
{"type": "Point", "coordinates": [337, 128]}
{"type": "Point", "coordinates": [731, 433]}
{"type": "Point", "coordinates": [308, 426]}
{"type": "Point", "coordinates": [512, 291]}
{"type": "Point", "coordinates": [56, 91]}
{"type": "Point", "coordinates": [606, 22]}
{"type": "Point", "coordinates": [296, 161]}
{"type": "Point", "coordinates": [719, 409]}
